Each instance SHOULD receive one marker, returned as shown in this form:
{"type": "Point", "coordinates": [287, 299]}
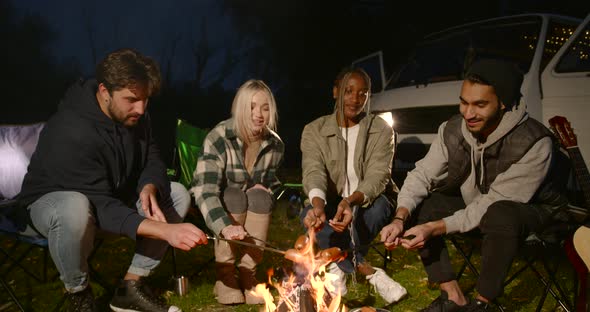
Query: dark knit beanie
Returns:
{"type": "Point", "coordinates": [505, 77]}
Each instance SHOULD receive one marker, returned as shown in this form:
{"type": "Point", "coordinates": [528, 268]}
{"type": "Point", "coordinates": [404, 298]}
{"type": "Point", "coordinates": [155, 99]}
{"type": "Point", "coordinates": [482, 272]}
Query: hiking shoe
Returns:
{"type": "Point", "coordinates": [390, 290]}
{"type": "Point", "coordinates": [252, 297]}
{"type": "Point", "coordinates": [475, 305]}
{"type": "Point", "coordinates": [443, 304]}
{"type": "Point", "coordinates": [133, 296]}
{"type": "Point", "coordinates": [82, 301]}
{"type": "Point", "coordinates": [227, 288]}
{"type": "Point", "coordinates": [227, 295]}
{"type": "Point", "coordinates": [337, 282]}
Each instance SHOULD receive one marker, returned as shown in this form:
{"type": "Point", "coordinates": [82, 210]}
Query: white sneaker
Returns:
{"type": "Point", "coordinates": [390, 290]}
{"type": "Point", "coordinates": [337, 281]}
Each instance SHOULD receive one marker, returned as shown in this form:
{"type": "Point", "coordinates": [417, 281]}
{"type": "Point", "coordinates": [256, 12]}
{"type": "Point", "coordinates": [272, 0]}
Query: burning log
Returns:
{"type": "Point", "coordinates": [301, 299]}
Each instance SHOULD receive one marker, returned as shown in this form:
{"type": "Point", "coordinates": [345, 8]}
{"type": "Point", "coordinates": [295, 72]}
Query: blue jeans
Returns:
{"type": "Point", "coordinates": [368, 222]}
{"type": "Point", "coordinates": [66, 219]}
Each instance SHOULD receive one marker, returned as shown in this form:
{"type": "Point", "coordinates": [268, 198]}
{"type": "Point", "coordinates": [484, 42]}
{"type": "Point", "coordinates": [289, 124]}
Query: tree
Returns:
{"type": "Point", "coordinates": [32, 84]}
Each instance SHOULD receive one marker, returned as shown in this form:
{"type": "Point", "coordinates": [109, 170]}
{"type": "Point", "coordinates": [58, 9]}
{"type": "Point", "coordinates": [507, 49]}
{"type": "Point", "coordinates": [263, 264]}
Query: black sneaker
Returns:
{"type": "Point", "coordinates": [133, 296]}
{"type": "Point", "coordinates": [476, 306]}
{"type": "Point", "coordinates": [443, 304]}
{"type": "Point", "coordinates": [82, 301]}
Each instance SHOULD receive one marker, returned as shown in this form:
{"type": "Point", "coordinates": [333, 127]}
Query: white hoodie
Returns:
{"type": "Point", "coordinates": [519, 183]}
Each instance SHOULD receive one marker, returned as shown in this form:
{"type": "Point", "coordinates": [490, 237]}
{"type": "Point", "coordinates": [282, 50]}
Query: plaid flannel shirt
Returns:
{"type": "Point", "coordinates": [221, 164]}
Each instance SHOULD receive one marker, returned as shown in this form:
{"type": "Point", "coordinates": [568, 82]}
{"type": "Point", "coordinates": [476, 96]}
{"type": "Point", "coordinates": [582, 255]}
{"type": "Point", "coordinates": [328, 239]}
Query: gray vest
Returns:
{"type": "Point", "coordinates": [497, 157]}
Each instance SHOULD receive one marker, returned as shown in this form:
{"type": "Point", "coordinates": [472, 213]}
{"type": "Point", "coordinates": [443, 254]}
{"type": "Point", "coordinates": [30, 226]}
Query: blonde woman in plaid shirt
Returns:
{"type": "Point", "coordinates": [233, 181]}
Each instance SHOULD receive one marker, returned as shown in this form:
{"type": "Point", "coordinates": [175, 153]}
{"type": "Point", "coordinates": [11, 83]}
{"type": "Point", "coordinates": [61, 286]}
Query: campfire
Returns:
{"type": "Point", "coordinates": [306, 285]}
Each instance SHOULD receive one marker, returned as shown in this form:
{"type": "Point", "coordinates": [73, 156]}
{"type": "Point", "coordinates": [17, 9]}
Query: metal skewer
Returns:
{"type": "Point", "coordinates": [233, 241]}
{"type": "Point", "coordinates": [408, 237]}
{"type": "Point", "coordinates": [267, 244]}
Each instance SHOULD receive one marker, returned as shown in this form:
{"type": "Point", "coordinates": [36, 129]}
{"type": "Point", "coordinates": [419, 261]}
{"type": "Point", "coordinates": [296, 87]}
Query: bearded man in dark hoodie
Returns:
{"type": "Point", "coordinates": [97, 166]}
{"type": "Point", "coordinates": [489, 167]}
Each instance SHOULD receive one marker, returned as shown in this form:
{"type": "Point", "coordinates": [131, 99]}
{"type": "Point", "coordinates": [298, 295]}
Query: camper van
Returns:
{"type": "Point", "coordinates": [552, 50]}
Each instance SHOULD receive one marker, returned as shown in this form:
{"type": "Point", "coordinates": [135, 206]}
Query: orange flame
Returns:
{"type": "Point", "coordinates": [317, 281]}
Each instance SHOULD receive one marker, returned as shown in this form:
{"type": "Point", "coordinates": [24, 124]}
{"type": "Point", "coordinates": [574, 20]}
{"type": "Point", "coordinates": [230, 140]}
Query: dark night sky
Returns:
{"type": "Point", "coordinates": [158, 27]}
{"type": "Point", "coordinates": [210, 47]}
{"type": "Point", "coordinates": [148, 26]}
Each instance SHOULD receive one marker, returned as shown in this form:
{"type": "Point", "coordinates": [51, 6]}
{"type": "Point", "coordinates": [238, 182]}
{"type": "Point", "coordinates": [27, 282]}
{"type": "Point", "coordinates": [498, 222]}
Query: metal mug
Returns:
{"type": "Point", "coordinates": [181, 285]}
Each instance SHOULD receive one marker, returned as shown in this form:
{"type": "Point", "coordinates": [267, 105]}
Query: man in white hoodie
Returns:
{"type": "Point", "coordinates": [488, 168]}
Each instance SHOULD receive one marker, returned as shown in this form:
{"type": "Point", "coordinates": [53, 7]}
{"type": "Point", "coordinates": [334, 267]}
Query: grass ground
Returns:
{"type": "Point", "coordinates": [405, 267]}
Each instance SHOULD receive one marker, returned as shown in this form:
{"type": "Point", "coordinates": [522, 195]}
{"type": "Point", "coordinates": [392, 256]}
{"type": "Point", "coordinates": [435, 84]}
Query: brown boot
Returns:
{"type": "Point", "coordinates": [248, 283]}
{"type": "Point", "coordinates": [226, 289]}
{"type": "Point", "coordinates": [257, 226]}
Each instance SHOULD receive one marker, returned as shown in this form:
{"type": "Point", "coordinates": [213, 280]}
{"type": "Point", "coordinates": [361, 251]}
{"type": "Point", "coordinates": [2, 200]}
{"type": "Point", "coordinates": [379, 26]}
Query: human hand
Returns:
{"type": "Point", "coordinates": [314, 219]}
{"type": "Point", "coordinates": [390, 234]}
{"type": "Point", "coordinates": [149, 203]}
{"type": "Point", "coordinates": [343, 216]}
{"type": "Point", "coordinates": [185, 236]}
{"type": "Point", "coordinates": [234, 232]}
{"type": "Point", "coordinates": [421, 233]}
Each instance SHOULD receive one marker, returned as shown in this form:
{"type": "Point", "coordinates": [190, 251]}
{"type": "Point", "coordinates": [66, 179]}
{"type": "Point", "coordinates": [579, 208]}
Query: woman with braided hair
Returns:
{"type": "Point", "coordinates": [347, 158]}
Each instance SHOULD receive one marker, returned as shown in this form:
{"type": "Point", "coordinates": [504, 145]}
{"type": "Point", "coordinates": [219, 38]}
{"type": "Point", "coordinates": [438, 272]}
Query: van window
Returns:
{"type": "Point", "coordinates": [576, 57]}
{"type": "Point", "coordinates": [557, 34]}
{"type": "Point", "coordinates": [445, 56]}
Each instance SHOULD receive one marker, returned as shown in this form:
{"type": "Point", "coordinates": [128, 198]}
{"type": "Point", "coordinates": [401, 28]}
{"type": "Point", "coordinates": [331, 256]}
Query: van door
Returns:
{"type": "Point", "coordinates": [373, 65]}
{"type": "Point", "coordinates": [565, 85]}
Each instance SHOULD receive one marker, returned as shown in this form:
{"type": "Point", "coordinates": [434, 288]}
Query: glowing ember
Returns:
{"type": "Point", "coordinates": [308, 287]}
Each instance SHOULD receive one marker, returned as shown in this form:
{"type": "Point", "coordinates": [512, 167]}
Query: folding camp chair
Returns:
{"type": "Point", "coordinates": [11, 293]}
{"type": "Point", "coordinates": [17, 143]}
{"type": "Point", "coordinates": [189, 142]}
{"type": "Point", "coordinates": [15, 249]}
{"type": "Point", "coordinates": [19, 251]}
{"type": "Point", "coordinates": [293, 192]}
{"type": "Point", "coordinates": [542, 254]}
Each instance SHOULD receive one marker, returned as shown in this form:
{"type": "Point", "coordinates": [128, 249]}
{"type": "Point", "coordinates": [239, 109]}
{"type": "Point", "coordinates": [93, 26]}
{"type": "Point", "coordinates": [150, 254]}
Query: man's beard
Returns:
{"type": "Point", "coordinates": [121, 119]}
{"type": "Point", "coordinates": [493, 122]}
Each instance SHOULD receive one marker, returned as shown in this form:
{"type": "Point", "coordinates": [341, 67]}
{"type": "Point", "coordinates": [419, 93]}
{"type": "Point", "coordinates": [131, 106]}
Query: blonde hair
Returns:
{"type": "Point", "coordinates": [242, 110]}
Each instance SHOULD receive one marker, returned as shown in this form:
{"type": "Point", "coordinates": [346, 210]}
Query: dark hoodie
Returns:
{"type": "Point", "coordinates": [81, 149]}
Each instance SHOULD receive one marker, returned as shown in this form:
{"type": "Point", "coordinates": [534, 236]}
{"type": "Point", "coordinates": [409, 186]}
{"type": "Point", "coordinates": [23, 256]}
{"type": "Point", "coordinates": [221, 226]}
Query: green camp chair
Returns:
{"type": "Point", "coordinates": [189, 142]}
{"type": "Point", "coordinates": [293, 192]}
